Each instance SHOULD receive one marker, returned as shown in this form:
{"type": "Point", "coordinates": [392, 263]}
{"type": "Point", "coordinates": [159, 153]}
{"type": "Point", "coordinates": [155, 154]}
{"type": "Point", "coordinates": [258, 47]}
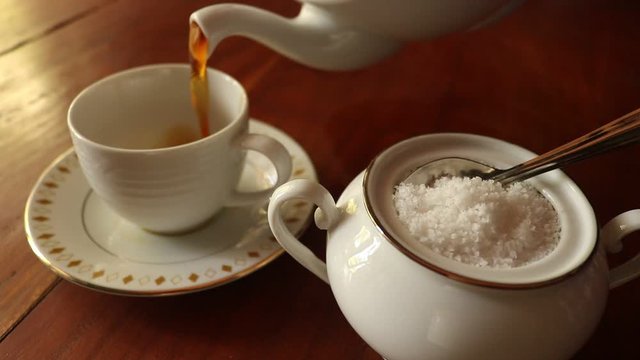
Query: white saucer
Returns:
{"type": "Point", "coordinates": [78, 237]}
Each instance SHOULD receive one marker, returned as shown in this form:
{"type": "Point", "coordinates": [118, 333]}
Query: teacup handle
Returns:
{"type": "Point", "coordinates": [612, 234]}
{"type": "Point", "coordinates": [326, 216]}
{"type": "Point", "coordinates": [277, 154]}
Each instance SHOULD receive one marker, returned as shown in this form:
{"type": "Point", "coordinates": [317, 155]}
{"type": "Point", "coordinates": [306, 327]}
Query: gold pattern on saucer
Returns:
{"type": "Point", "coordinates": [44, 201]}
{"type": "Point", "coordinates": [227, 268]}
{"type": "Point", "coordinates": [159, 280]}
{"type": "Point", "coordinates": [253, 254]}
{"type": "Point", "coordinates": [193, 277]}
{"type": "Point", "coordinates": [50, 185]}
{"type": "Point", "coordinates": [298, 172]}
{"type": "Point", "coordinates": [64, 169]}
{"type": "Point", "coordinates": [41, 218]}
{"type": "Point", "coordinates": [74, 263]}
{"type": "Point", "coordinates": [127, 279]}
{"type": "Point", "coordinates": [45, 236]}
{"type": "Point", "coordinates": [97, 274]}
{"type": "Point", "coordinates": [57, 250]}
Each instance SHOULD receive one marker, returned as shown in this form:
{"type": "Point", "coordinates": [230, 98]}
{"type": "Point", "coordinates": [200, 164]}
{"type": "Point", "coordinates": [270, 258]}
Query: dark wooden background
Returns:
{"type": "Point", "coordinates": [549, 72]}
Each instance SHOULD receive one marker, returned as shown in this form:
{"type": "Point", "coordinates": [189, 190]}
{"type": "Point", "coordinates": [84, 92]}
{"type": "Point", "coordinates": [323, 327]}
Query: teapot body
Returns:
{"type": "Point", "coordinates": [415, 19]}
{"type": "Point", "coordinates": [346, 34]}
{"type": "Point", "coordinates": [404, 310]}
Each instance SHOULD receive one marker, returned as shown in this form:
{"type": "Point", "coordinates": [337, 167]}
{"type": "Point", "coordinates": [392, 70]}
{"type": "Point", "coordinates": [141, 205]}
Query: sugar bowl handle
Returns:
{"type": "Point", "coordinates": [326, 216]}
{"type": "Point", "coordinates": [612, 234]}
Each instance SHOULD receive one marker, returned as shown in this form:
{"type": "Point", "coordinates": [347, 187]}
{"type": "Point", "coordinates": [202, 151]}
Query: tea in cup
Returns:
{"type": "Point", "coordinates": [138, 143]}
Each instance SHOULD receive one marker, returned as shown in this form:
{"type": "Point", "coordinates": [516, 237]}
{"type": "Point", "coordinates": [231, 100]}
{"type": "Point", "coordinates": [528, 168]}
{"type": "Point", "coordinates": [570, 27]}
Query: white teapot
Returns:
{"type": "Point", "coordinates": [408, 302]}
{"type": "Point", "coordinates": [347, 34]}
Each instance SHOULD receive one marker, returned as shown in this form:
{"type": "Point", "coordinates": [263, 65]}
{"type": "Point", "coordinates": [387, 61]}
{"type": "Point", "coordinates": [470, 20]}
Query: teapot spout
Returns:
{"type": "Point", "coordinates": [315, 37]}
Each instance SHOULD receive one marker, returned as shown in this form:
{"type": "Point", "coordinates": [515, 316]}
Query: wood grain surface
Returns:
{"type": "Point", "coordinates": [544, 75]}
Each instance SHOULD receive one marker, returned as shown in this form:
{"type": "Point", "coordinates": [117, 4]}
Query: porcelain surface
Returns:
{"type": "Point", "coordinates": [347, 34]}
{"type": "Point", "coordinates": [408, 302]}
{"type": "Point", "coordinates": [123, 129]}
{"type": "Point", "coordinates": [81, 239]}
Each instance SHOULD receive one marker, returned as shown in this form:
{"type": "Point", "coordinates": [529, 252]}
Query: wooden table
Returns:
{"type": "Point", "coordinates": [548, 73]}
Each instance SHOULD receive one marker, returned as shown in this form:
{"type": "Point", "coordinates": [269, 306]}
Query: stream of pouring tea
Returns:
{"type": "Point", "coordinates": [198, 52]}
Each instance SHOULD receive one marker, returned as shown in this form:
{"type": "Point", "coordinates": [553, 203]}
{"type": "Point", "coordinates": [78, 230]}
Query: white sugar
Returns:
{"type": "Point", "coordinates": [480, 222]}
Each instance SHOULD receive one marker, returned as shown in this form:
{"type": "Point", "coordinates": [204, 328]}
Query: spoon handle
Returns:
{"type": "Point", "coordinates": [620, 132]}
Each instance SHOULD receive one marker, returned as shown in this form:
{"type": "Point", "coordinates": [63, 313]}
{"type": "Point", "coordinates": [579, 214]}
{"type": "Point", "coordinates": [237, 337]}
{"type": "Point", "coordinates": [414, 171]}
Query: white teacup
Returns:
{"type": "Point", "coordinates": [124, 127]}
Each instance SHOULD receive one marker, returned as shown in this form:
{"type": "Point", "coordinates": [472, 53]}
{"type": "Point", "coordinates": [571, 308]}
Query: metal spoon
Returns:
{"type": "Point", "coordinates": [618, 133]}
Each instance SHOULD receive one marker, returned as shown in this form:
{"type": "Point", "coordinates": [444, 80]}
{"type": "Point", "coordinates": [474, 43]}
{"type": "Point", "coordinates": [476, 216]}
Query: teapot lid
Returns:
{"type": "Point", "coordinates": [578, 234]}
